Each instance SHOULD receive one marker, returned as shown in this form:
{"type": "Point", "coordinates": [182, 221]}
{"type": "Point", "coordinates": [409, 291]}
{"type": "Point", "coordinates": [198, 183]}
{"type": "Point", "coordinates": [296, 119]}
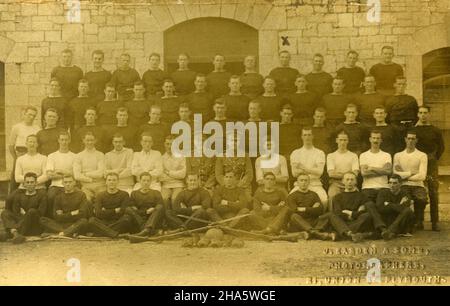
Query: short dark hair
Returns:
{"type": "Point", "coordinates": [112, 174]}
{"type": "Point", "coordinates": [30, 174]}
{"type": "Point", "coordinates": [100, 52]}
{"type": "Point", "coordinates": [269, 173]}
{"type": "Point", "coordinates": [395, 176]}
{"type": "Point", "coordinates": [145, 174]}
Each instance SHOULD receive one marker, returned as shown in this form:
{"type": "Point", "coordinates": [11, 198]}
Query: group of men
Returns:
{"type": "Point", "coordinates": [356, 153]}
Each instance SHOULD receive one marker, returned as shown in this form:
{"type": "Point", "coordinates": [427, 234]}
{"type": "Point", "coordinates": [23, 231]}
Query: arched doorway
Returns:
{"type": "Point", "coordinates": [436, 92]}
{"type": "Point", "coordinates": [202, 38]}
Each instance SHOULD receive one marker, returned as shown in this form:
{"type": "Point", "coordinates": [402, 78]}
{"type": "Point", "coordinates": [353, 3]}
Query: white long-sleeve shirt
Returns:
{"type": "Point", "coordinates": [20, 132]}
{"type": "Point", "coordinates": [89, 165]}
{"type": "Point", "coordinates": [150, 162]}
{"type": "Point", "coordinates": [414, 162]}
{"type": "Point", "coordinates": [121, 161]}
{"type": "Point", "coordinates": [60, 161]}
{"type": "Point", "coordinates": [313, 159]}
{"type": "Point", "coordinates": [31, 163]}
{"type": "Point", "coordinates": [280, 169]}
{"type": "Point", "coordinates": [176, 169]}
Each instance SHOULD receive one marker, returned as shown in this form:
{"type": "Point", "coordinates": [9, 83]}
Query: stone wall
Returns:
{"type": "Point", "coordinates": [32, 35]}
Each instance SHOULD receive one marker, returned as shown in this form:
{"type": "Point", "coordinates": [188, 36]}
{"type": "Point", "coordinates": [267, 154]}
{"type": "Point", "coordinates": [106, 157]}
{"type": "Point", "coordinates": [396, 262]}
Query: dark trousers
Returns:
{"type": "Point", "coordinates": [432, 183]}
{"type": "Point", "coordinates": [111, 229]}
{"type": "Point", "coordinates": [78, 227]}
{"type": "Point", "coordinates": [216, 217]}
{"type": "Point", "coordinates": [361, 224]}
{"type": "Point", "coordinates": [173, 221]}
{"type": "Point", "coordinates": [299, 222]}
{"type": "Point", "coordinates": [140, 222]}
{"type": "Point", "coordinates": [419, 196]}
{"type": "Point", "coordinates": [372, 193]}
{"type": "Point", "coordinates": [27, 225]}
{"type": "Point", "coordinates": [274, 221]}
{"type": "Point", "coordinates": [52, 192]}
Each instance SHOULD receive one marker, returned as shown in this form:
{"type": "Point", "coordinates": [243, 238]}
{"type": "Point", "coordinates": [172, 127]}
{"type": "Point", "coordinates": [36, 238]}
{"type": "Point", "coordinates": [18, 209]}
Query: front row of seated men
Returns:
{"type": "Point", "coordinates": [270, 211]}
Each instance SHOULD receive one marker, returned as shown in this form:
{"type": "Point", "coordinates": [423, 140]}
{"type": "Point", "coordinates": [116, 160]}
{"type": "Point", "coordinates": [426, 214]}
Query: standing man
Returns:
{"type": "Point", "coordinates": [411, 165]}
{"type": "Point", "coordinates": [392, 142]}
{"type": "Point", "coordinates": [200, 101]}
{"type": "Point", "coordinates": [107, 109]}
{"type": "Point", "coordinates": [375, 167]}
{"type": "Point", "coordinates": [235, 102]}
{"type": "Point", "coordinates": [303, 102]}
{"type": "Point", "coordinates": [218, 79]}
{"type": "Point", "coordinates": [336, 102]}
{"type": "Point", "coordinates": [77, 106]}
{"type": "Point", "coordinates": [322, 131]}
{"type": "Point", "coordinates": [119, 161]}
{"type": "Point", "coordinates": [90, 117]}
{"type": "Point", "coordinates": [431, 142]}
{"type": "Point", "coordinates": [271, 162]}
{"type": "Point", "coordinates": [155, 128]}
{"type": "Point", "coordinates": [68, 75]}
{"type": "Point", "coordinates": [128, 132]}
{"type": "Point", "coordinates": [184, 77]}
{"type": "Point", "coordinates": [154, 77]}
{"type": "Point", "coordinates": [369, 100]}
{"type": "Point", "coordinates": [89, 168]}
{"type": "Point", "coordinates": [59, 164]}
{"type": "Point", "coordinates": [284, 75]}
{"type": "Point", "coordinates": [169, 103]}
{"type": "Point", "coordinates": [56, 101]}
{"type": "Point", "coordinates": [124, 77]}
{"type": "Point", "coordinates": [289, 132]}
{"type": "Point", "coordinates": [48, 137]}
{"type": "Point", "coordinates": [352, 75]}
{"type": "Point", "coordinates": [319, 81]}
{"type": "Point", "coordinates": [357, 132]}
{"type": "Point", "coordinates": [98, 77]}
{"type": "Point", "coordinates": [270, 101]}
{"type": "Point", "coordinates": [386, 71]}
{"type": "Point", "coordinates": [139, 107]}
{"type": "Point", "coordinates": [251, 80]}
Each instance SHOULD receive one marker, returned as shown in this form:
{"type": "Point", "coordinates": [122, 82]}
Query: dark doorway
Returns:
{"type": "Point", "coordinates": [2, 118]}
{"type": "Point", "coordinates": [202, 38]}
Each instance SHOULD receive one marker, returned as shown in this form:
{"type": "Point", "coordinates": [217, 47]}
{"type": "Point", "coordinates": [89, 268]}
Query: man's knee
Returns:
{"type": "Point", "coordinates": [32, 212]}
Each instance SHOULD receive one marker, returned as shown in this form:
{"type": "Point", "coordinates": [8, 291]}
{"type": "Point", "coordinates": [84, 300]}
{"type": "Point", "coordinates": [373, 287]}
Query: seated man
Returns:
{"type": "Point", "coordinates": [89, 168]}
{"type": "Point", "coordinates": [192, 202]}
{"type": "Point", "coordinates": [174, 172]}
{"type": "Point", "coordinates": [229, 200]}
{"type": "Point", "coordinates": [306, 207]}
{"type": "Point", "coordinates": [27, 208]}
{"type": "Point", "coordinates": [119, 161]}
{"type": "Point", "coordinates": [146, 207]}
{"type": "Point", "coordinates": [349, 217]}
{"type": "Point", "coordinates": [109, 218]}
{"type": "Point", "coordinates": [270, 211]}
{"type": "Point", "coordinates": [70, 212]}
{"type": "Point", "coordinates": [394, 206]}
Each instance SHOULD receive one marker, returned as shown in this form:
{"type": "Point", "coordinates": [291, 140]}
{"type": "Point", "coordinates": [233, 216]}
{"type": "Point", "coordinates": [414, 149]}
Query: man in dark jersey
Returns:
{"type": "Point", "coordinates": [284, 75]}
{"type": "Point", "coordinates": [77, 106]}
{"type": "Point", "coordinates": [352, 75]}
{"type": "Point", "coordinates": [200, 101]}
{"type": "Point", "coordinates": [218, 79]}
{"type": "Point", "coordinates": [251, 80]}
{"type": "Point", "coordinates": [169, 103]}
{"type": "Point", "coordinates": [386, 72]}
{"type": "Point", "coordinates": [48, 137]}
{"type": "Point", "coordinates": [154, 77]}
{"type": "Point", "coordinates": [107, 109]}
{"type": "Point", "coordinates": [270, 101]}
{"type": "Point", "coordinates": [68, 75]}
{"type": "Point", "coordinates": [155, 128]}
{"type": "Point", "coordinates": [318, 80]}
{"type": "Point", "coordinates": [368, 100]}
{"type": "Point", "coordinates": [336, 102]}
{"type": "Point", "coordinates": [124, 77]}
{"type": "Point", "coordinates": [122, 127]}
{"type": "Point", "coordinates": [392, 141]}
{"type": "Point", "coordinates": [90, 126]}
{"type": "Point", "coordinates": [358, 133]}
{"type": "Point", "coordinates": [431, 142]}
{"type": "Point", "coordinates": [183, 77]}
{"type": "Point", "coordinates": [303, 102]}
{"type": "Point", "coordinates": [138, 107]}
{"type": "Point", "coordinates": [289, 132]}
{"type": "Point", "coordinates": [235, 101]}
{"type": "Point", "coordinates": [98, 77]}
{"type": "Point", "coordinates": [56, 101]}
{"type": "Point", "coordinates": [323, 132]}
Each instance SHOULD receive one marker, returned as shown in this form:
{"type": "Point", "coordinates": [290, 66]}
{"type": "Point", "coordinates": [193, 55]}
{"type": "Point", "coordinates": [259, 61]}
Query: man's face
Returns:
{"type": "Point", "coordinates": [375, 139]}
{"type": "Point", "coordinates": [250, 62]}
{"type": "Point", "coordinates": [54, 88]}
{"type": "Point", "coordinates": [369, 84]}
{"type": "Point", "coordinates": [219, 62]}
{"type": "Point", "coordinates": [301, 83]}
{"type": "Point", "coordinates": [146, 143]}
{"type": "Point", "coordinates": [318, 63]}
{"type": "Point", "coordinates": [254, 110]}
{"type": "Point", "coordinates": [139, 91]}
{"type": "Point", "coordinates": [124, 62]}
{"type": "Point", "coordinates": [155, 115]}
{"type": "Point", "coordinates": [31, 143]}
{"type": "Point", "coordinates": [192, 182]}
{"type": "Point", "coordinates": [350, 114]}
{"type": "Point", "coordinates": [98, 60]}
{"type": "Point", "coordinates": [338, 86]}
{"type": "Point", "coordinates": [394, 185]}
{"type": "Point", "coordinates": [380, 115]}
{"type": "Point", "coordinates": [111, 182]}
{"type": "Point", "coordinates": [303, 182]}
{"type": "Point", "coordinates": [234, 85]}
{"type": "Point", "coordinates": [118, 143]}
{"type": "Point", "coordinates": [307, 137]}
{"type": "Point", "coordinates": [319, 117]}
{"type": "Point", "coordinates": [63, 141]}
{"type": "Point", "coordinates": [122, 118]}
{"type": "Point", "coordinates": [69, 184]}
{"type": "Point", "coordinates": [230, 180]}
{"type": "Point", "coordinates": [83, 89]}
{"type": "Point", "coordinates": [400, 86]}
{"type": "Point", "coordinates": [184, 113]}
{"type": "Point", "coordinates": [411, 141]}
{"type": "Point", "coordinates": [352, 59]}
{"type": "Point", "coordinates": [29, 116]}
{"type": "Point", "coordinates": [90, 116]}
{"type": "Point", "coordinates": [145, 181]}
{"type": "Point", "coordinates": [183, 61]}
{"type": "Point", "coordinates": [89, 141]}
{"type": "Point", "coordinates": [285, 59]}
{"type": "Point", "coordinates": [51, 118]}
{"type": "Point", "coordinates": [66, 58]}
{"type": "Point", "coordinates": [342, 141]}
{"type": "Point", "coordinates": [269, 85]}
{"type": "Point", "coordinates": [286, 115]}
{"type": "Point", "coordinates": [200, 83]}
{"type": "Point", "coordinates": [110, 93]}
{"type": "Point", "coordinates": [269, 181]}
{"type": "Point", "coordinates": [388, 55]}
{"type": "Point", "coordinates": [219, 110]}
{"type": "Point", "coordinates": [154, 61]}
{"type": "Point", "coordinates": [423, 114]}
{"type": "Point", "coordinates": [30, 184]}
{"type": "Point", "coordinates": [349, 181]}
{"type": "Point", "coordinates": [168, 88]}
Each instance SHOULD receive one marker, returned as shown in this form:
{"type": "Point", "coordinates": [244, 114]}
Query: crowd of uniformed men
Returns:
{"type": "Point", "coordinates": [357, 155]}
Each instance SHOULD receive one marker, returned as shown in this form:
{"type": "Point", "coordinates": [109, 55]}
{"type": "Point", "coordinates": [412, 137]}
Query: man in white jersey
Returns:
{"type": "Point", "coordinates": [119, 161]}
{"type": "Point", "coordinates": [310, 160]}
{"type": "Point", "coordinates": [375, 166]}
{"type": "Point", "coordinates": [59, 164]}
{"type": "Point", "coordinates": [269, 161]}
{"type": "Point", "coordinates": [340, 162]}
{"type": "Point", "coordinates": [411, 164]}
{"type": "Point", "coordinates": [89, 168]}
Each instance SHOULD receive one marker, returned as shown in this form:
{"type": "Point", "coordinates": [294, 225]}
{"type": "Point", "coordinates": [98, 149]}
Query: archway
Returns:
{"type": "Point", "coordinates": [202, 38]}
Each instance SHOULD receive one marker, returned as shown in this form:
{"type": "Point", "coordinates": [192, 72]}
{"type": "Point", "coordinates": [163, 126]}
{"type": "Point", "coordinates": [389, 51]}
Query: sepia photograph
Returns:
{"type": "Point", "coordinates": [198, 143]}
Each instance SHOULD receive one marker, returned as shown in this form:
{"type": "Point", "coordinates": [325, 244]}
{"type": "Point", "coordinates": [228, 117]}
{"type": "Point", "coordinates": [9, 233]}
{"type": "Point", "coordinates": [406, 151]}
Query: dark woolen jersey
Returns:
{"type": "Point", "coordinates": [270, 107]}
{"type": "Point", "coordinates": [430, 141]}
{"type": "Point", "coordinates": [204, 167]}
{"type": "Point", "coordinates": [183, 81]}
{"type": "Point", "coordinates": [128, 132]}
{"type": "Point", "coordinates": [335, 106]}
{"type": "Point", "coordinates": [218, 83]}
{"type": "Point", "coordinates": [392, 140]}
{"type": "Point", "coordinates": [124, 80]}
{"type": "Point", "coordinates": [189, 198]}
{"type": "Point", "coordinates": [289, 138]}
{"type": "Point", "coordinates": [48, 140]}
{"type": "Point", "coordinates": [237, 107]}
{"type": "Point", "coordinates": [58, 103]}
{"type": "Point", "coordinates": [107, 112]}
{"type": "Point", "coordinates": [153, 80]}
{"type": "Point", "coordinates": [358, 136]}
{"type": "Point", "coordinates": [303, 104]}
{"type": "Point", "coordinates": [272, 198]}
{"type": "Point", "coordinates": [306, 200]}
{"type": "Point", "coordinates": [285, 79]}
{"type": "Point", "coordinates": [169, 109]}
{"type": "Point", "coordinates": [389, 203]}
{"type": "Point", "coordinates": [69, 202]}
{"type": "Point", "coordinates": [68, 78]}
{"type": "Point", "coordinates": [385, 75]}
{"type": "Point", "coordinates": [97, 81]}
{"type": "Point", "coordinates": [366, 105]}
{"type": "Point", "coordinates": [236, 198]}
{"type": "Point", "coordinates": [76, 144]}
{"type": "Point", "coordinates": [402, 108]}
{"type": "Point", "coordinates": [201, 103]}
{"type": "Point", "coordinates": [106, 203]}
{"type": "Point", "coordinates": [349, 201]}
{"type": "Point", "coordinates": [323, 138]}
{"type": "Point", "coordinates": [143, 201]}
{"type": "Point", "coordinates": [353, 78]}
{"type": "Point", "coordinates": [26, 202]}
{"type": "Point", "coordinates": [252, 84]}
{"type": "Point", "coordinates": [137, 111]}
{"type": "Point", "coordinates": [77, 109]}
{"type": "Point", "coordinates": [319, 83]}
{"type": "Point", "coordinates": [158, 131]}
